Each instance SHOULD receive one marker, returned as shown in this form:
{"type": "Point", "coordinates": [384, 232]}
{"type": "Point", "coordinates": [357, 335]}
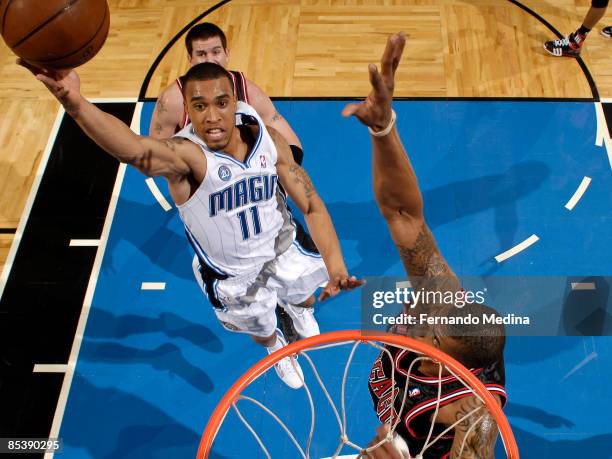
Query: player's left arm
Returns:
{"type": "Point", "coordinates": [476, 434]}
{"type": "Point", "coordinates": [265, 108]}
{"type": "Point", "coordinates": [298, 185]}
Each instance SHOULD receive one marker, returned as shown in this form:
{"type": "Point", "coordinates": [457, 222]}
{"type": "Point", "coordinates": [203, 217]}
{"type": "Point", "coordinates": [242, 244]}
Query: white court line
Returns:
{"type": "Point", "coordinates": [586, 181]}
{"type": "Point", "coordinates": [517, 248]}
{"type": "Point", "coordinates": [153, 286]}
{"type": "Point", "coordinates": [27, 208]}
{"type": "Point", "coordinates": [153, 188]}
{"type": "Point", "coordinates": [587, 359]}
{"type": "Point", "coordinates": [91, 288]}
{"type": "Point", "coordinates": [606, 100]}
{"type": "Point", "coordinates": [608, 143]}
{"type": "Point", "coordinates": [84, 243]}
{"type": "Point", "coordinates": [48, 368]}
{"type": "Point", "coordinates": [602, 127]}
{"type": "Point", "coordinates": [158, 194]}
{"type": "Point", "coordinates": [583, 286]}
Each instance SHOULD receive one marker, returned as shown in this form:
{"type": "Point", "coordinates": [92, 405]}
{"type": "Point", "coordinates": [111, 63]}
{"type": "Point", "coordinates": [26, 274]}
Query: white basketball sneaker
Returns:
{"type": "Point", "coordinates": [303, 319]}
{"type": "Point", "coordinates": [287, 369]}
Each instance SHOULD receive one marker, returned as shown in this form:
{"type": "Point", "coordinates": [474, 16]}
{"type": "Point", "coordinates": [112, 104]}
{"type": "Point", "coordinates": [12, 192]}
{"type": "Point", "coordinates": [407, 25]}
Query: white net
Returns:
{"type": "Point", "coordinates": [360, 448]}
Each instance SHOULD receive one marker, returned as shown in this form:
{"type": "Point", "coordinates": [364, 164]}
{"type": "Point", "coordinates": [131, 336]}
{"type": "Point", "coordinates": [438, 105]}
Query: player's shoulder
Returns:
{"type": "Point", "coordinates": [172, 97]}
{"type": "Point", "coordinates": [255, 91]}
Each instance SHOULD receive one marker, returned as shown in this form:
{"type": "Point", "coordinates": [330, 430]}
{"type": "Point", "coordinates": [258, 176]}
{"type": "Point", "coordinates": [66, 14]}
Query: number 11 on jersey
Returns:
{"type": "Point", "coordinates": [242, 216]}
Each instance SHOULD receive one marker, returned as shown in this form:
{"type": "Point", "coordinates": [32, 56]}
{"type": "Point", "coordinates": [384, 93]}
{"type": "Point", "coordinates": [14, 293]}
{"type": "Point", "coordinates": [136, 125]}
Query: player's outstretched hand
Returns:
{"type": "Point", "coordinates": [339, 282]}
{"type": "Point", "coordinates": [375, 110]}
{"type": "Point", "coordinates": [65, 85]}
{"type": "Point", "coordinates": [385, 450]}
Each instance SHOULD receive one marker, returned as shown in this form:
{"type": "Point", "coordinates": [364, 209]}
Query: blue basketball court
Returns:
{"type": "Point", "coordinates": [154, 362]}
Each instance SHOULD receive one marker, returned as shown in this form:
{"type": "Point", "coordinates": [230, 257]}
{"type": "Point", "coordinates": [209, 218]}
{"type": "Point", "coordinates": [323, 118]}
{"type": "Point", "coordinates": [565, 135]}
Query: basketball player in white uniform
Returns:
{"type": "Point", "coordinates": [223, 178]}
{"type": "Point", "coordinates": [206, 42]}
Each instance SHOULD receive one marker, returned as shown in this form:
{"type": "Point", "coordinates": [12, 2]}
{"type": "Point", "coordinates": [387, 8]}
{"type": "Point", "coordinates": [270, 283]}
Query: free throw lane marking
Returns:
{"type": "Point", "coordinates": [586, 181]}
{"type": "Point", "coordinates": [84, 242]}
{"type": "Point", "coordinates": [517, 248]}
{"type": "Point", "coordinates": [153, 286]}
{"type": "Point", "coordinates": [608, 143]}
{"type": "Point", "coordinates": [587, 359]}
{"type": "Point", "coordinates": [602, 128]}
{"type": "Point", "coordinates": [91, 287]}
{"type": "Point", "coordinates": [44, 368]}
{"type": "Point", "coordinates": [158, 194]}
{"type": "Point", "coordinates": [583, 286]}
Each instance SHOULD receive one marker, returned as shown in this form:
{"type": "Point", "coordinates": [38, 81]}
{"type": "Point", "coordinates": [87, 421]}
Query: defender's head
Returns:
{"type": "Point", "coordinates": [208, 92]}
{"type": "Point", "coordinates": [475, 345]}
{"type": "Point", "coordinates": [207, 43]}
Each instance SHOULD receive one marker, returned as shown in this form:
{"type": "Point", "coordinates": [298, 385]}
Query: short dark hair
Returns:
{"type": "Point", "coordinates": [204, 72]}
{"type": "Point", "coordinates": [204, 31]}
{"type": "Point", "coordinates": [479, 344]}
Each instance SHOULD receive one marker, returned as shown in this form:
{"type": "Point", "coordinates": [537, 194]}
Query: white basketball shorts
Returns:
{"type": "Point", "coordinates": [249, 301]}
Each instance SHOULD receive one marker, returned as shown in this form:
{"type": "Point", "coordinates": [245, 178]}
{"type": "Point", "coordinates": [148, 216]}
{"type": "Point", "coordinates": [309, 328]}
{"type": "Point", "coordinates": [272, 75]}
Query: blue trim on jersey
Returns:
{"type": "Point", "coordinates": [201, 254]}
{"type": "Point", "coordinates": [228, 157]}
{"type": "Point", "coordinates": [303, 251]}
{"type": "Point", "coordinates": [257, 142]}
{"type": "Point", "coordinates": [245, 164]}
{"type": "Point", "coordinates": [204, 289]}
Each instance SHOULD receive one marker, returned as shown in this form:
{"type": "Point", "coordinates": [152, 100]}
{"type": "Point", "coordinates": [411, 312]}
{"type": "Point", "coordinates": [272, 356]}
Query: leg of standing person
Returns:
{"type": "Point", "coordinates": [571, 45]}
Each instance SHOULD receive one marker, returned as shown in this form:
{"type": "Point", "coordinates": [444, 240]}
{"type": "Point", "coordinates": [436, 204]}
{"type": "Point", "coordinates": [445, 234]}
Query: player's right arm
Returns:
{"type": "Point", "coordinates": [396, 186]}
{"type": "Point", "coordinates": [152, 157]}
{"type": "Point", "coordinates": [168, 113]}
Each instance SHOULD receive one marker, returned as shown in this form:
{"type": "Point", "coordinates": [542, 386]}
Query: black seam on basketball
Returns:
{"type": "Point", "coordinates": [6, 8]}
{"type": "Point", "coordinates": [41, 26]}
{"type": "Point", "coordinates": [585, 69]}
{"type": "Point", "coordinates": [8, 230]}
{"type": "Point", "coordinates": [95, 35]}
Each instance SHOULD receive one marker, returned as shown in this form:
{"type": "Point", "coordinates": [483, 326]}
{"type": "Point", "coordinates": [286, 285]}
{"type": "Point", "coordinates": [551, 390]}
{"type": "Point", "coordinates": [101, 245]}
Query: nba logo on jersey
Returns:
{"type": "Point", "coordinates": [414, 392]}
{"type": "Point", "coordinates": [224, 173]}
{"type": "Point", "coordinates": [262, 160]}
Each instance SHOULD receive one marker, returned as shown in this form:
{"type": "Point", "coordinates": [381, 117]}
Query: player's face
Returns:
{"type": "Point", "coordinates": [211, 106]}
{"type": "Point", "coordinates": [209, 50]}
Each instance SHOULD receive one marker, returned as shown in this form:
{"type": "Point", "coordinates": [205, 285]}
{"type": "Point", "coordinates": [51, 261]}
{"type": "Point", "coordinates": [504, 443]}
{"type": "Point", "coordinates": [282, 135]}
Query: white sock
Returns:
{"type": "Point", "coordinates": [280, 342]}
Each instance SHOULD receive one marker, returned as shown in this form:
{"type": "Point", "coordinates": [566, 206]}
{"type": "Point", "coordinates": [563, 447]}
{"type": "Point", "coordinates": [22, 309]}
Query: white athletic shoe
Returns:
{"type": "Point", "coordinates": [288, 369]}
{"type": "Point", "coordinates": [304, 320]}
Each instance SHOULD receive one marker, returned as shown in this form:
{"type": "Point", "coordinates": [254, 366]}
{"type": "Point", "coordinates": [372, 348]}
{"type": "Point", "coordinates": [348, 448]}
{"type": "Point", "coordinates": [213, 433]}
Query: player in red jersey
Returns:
{"type": "Point", "coordinates": [480, 348]}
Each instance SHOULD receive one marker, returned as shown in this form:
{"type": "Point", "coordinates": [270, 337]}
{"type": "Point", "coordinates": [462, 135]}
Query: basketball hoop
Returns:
{"type": "Point", "coordinates": [354, 338]}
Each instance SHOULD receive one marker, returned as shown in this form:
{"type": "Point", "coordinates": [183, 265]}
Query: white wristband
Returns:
{"type": "Point", "coordinates": [386, 130]}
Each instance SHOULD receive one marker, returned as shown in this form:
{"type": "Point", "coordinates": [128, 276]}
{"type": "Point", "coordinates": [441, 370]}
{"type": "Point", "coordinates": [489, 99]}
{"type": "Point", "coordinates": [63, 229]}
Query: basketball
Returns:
{"type": "Point", "coordinates": [55, 34]}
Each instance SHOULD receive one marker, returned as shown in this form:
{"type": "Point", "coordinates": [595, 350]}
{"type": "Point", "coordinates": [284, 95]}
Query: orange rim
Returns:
{"type": "Point", "coordinates": [216, 419]}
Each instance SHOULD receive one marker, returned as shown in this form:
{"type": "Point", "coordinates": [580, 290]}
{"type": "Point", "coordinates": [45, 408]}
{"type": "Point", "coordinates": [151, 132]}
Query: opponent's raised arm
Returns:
{"type": "Point", "coordinates": [396, 187]}
{"type": "Point", "coordinates": [152, 157]}
{"type": "Point", "coordinates": [298, 185]}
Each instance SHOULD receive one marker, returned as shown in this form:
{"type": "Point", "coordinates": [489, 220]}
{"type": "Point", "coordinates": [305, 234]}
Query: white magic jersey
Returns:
{"type": "Point", "coordinates": [236, 221]}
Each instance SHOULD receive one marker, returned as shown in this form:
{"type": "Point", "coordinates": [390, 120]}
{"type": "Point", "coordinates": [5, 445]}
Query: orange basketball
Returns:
{"type": "Point", "coordinates": [54, 34]}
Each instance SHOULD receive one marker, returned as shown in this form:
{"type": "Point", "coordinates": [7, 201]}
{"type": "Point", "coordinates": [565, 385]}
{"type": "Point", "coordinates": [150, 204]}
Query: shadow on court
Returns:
{"type": "Point", "coordinates": [167, 357]}
{"type": "Point", "coordinates": [103, 324]}
{"type": "Point", "coordinates": [103, 437]}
